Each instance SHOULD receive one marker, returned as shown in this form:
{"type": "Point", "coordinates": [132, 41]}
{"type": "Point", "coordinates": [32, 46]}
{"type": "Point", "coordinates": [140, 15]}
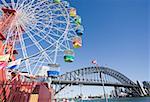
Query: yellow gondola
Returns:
{"type": "Point", "coordinates": [77, 42]}
{"type": "Point", "coordinates": [73, 12]}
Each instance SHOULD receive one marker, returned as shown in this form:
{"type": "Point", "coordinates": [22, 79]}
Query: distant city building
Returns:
{"type": "Point", "coordinates": [146, 86]}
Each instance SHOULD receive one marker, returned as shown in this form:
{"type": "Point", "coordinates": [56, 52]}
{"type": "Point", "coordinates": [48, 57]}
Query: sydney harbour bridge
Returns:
{"type": "Point", "coordinates": [96, 76]}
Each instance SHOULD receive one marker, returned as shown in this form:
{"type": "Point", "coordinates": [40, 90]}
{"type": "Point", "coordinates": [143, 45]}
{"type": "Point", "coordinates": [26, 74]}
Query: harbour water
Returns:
{"type": "Point", "coordinates": [140, 99]}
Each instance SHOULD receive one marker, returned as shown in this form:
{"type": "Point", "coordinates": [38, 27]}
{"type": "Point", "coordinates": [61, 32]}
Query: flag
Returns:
{"type": "Point", "coordinates": [94, 62]}
{"type": "Point", "coordinates": [14, 64]}
{"type": "Point", "coordinates": [4, 58]}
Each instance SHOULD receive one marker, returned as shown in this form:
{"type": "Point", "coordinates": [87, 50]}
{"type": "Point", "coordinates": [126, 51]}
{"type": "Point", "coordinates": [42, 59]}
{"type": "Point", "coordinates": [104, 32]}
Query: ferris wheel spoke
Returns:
{"type": "Point", "coordinates": [38, 61]}
{"type": "Point", "coordinates": [40, 66]}
{"type": "Point", "coordinates": [24, 50]}
{"type": "Point", "coordinates": [64, 9]}
{"type": "Point", "coordinates": [59, 22]}
{"type": "Point", "coordinates": [64, 45]}
{"type": "Point", "coordinates": [67, 43]}
{"type": "Point", "coordinates": [30, 5]}
{"type": "Point", "coordinates": [44, 37]}
{"type": "Point", "coordinates": [56, 15]}
{"type": "Point", "coordinates": [71, 33]}
{"type": "Point", "coordinates": [59, 29]}
{"type": "Point", "coordinates": [56, 51]}
{"type": "Point", "coordinates": [13, 4]}
{"type": "Point", "coordinates": [19, 4]}
{"type": "Point", "coordinates": [56, 34]}
{"type": "Point", "coordinates": [39, 46]}
{"type": "Point", "coordinates": [5, 3]}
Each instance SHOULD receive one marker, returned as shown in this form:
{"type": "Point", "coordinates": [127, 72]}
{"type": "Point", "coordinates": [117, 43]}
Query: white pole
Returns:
{"type": "Point", "coordinates": [106, 100]}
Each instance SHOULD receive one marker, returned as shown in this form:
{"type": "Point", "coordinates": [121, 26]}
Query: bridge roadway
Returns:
{"type": "Point", "coordinates": [65, 82]}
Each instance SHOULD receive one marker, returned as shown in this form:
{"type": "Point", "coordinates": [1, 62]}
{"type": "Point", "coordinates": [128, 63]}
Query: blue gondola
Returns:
{"type": "Point", "coordinates": [80, 30]}
{"type": "Point", "coordinates": [65, 3]}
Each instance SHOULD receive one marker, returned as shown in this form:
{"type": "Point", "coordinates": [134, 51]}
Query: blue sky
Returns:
{"type": "Point", "coordinates": [116, 35]}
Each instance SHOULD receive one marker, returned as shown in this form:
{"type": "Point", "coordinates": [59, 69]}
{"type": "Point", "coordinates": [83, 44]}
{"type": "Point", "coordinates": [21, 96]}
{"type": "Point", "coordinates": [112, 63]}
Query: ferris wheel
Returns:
{"type": "Point", "coordinates": [39, 32]}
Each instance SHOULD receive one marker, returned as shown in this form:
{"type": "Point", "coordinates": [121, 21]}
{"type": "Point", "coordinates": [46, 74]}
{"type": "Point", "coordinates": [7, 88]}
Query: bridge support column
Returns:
{"type": "Point", "coordinates": [116, 91]}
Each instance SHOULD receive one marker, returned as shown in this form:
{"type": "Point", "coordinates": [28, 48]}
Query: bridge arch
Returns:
{"type": "Point", "coordinates": [79, 76]}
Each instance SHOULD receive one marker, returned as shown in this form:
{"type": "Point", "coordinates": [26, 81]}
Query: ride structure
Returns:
{"type": "Point", "coordinates": [33, 33]}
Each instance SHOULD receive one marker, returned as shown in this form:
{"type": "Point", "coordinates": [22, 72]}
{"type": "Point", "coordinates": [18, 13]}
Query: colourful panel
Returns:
{"type": "Point", "coordinates": [57, 1]}
{"type": "Point", "coordinates": [68, 58]}
{"type": "Point", "coordinates": [72, 12]}
{"type": "Point", "coordinates": [79, 32]}
{"type": "Point", "coordinates": [78, 20]}
{"type": "Point", "coordinates": [77, 45]}
{"type": "Point", "coordinates": [68, 52]}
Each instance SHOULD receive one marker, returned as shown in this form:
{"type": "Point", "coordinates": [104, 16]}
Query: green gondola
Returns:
{"type": "Point", "coordinates": [78, 20]}
{"type": "Point", "coordinates": [69, 56]}
{"type": "Point", "coordinates": [57, 1]}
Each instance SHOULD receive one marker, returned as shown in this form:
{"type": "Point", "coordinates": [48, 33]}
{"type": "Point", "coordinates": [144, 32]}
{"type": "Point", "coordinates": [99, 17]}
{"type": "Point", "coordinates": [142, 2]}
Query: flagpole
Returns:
{"type": "Point", "coordinates": [97, 66]}
{"type": "Point", "coordinates": [103, 87]}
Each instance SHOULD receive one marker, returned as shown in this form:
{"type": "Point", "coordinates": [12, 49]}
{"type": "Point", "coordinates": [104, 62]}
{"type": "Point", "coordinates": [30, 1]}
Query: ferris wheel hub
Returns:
{"type": "Point", "coordinates": [7, 10]}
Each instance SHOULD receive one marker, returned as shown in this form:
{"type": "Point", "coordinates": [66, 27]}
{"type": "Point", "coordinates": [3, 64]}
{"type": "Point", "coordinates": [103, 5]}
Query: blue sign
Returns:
{"type": "Point", "coordinates": [52, 73]}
